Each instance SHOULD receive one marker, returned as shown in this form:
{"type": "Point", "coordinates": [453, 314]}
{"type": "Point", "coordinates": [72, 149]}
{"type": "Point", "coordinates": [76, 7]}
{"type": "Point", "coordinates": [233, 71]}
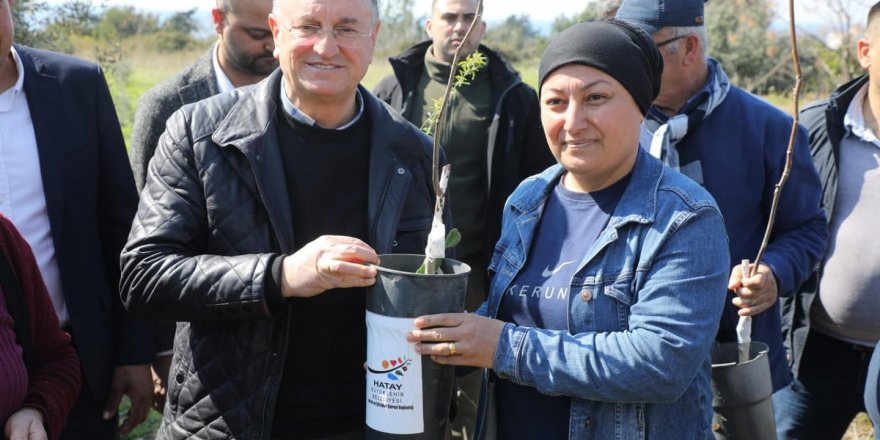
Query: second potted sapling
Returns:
{"type": "Point", "coordinates": [741, 384]}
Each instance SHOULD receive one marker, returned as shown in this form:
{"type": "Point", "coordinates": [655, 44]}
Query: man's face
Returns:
{"type": "Point", "coordinates": [6, 30]}
{"type": "Point", "coordinates": [672, 83]}
{"type": "Point", "coordinates": [868, 49]}
{"type": "Point", "coordinates": [246, 40]}
{"type": "Point", "coordinates": [448, 23]}
{"type": "Point", "coordinates": [324, 68]}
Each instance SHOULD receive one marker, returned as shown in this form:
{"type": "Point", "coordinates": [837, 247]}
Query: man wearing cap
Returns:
{"type": "Point", "coordinates": [734, 144]}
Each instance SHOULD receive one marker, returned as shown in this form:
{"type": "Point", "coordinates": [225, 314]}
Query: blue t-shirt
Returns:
{"type": "Point", "coordinates": [538, 297]}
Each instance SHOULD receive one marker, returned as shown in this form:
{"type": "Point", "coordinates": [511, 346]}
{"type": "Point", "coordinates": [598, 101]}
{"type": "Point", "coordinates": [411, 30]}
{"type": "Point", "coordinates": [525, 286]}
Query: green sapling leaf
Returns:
{"type": "Point", "coordinates": [453, 238]}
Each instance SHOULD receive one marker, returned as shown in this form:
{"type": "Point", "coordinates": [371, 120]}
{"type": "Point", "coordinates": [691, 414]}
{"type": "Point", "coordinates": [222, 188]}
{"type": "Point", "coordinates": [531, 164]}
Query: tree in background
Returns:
{"type": "Point", "coordinates": [590, 12]}
{"type": "Point", "coordinates": [401, 28]}
{"type": "Point", "coordinates": [741, 39]}
{"type": "Point", "coordinates": [23, 15]}
{"type": "Point", "coordinates": [516, 39]}
{"type": "Point", "coordinates": [120, 22]}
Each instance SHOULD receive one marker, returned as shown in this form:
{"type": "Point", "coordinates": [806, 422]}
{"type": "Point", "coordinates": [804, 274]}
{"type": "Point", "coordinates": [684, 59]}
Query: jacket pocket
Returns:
{"type": "Point", "coordinates": [412, 236]}
{"type": "Point", "coordinates": [620, 290]}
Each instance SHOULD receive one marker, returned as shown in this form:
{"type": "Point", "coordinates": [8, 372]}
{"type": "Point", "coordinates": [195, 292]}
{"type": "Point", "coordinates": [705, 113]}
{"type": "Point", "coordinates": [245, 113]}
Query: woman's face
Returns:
{"type": "Point", "coordinates": [592, 126]}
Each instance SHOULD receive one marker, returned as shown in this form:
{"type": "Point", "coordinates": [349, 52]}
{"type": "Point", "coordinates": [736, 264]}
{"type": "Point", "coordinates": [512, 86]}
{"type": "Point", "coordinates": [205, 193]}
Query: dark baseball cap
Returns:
{"type": "Point", "coordinates": [651, 15]}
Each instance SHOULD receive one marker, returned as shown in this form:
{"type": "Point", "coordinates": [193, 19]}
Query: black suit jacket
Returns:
{"type": "Point", "coordinates": [91, 201]}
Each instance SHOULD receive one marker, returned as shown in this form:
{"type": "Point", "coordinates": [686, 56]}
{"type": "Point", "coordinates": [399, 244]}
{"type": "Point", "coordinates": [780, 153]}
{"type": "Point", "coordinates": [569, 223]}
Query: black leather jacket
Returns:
{"type": "Point", "coordinates": [824, 123]}
{"type": "Point", "coordinates": [213, 215]}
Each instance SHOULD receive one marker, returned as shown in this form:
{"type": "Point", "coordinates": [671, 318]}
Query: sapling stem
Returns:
{"type": "Point", "coordinates": [437, 236]}
{"type": "Point", "coordinates": [789, 154]}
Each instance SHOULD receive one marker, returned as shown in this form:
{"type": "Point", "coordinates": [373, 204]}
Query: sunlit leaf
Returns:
{"type": "Point", "coordinates": [453, 238]}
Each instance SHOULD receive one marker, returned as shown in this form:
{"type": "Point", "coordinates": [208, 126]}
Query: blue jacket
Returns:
{"type": "Point", "coordinates": [742, 150]}
{"type": "Point", "coordinates": [643, 310]}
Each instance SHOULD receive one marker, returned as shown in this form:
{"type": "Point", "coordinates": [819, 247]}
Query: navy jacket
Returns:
{"type": "Point", "coordinates": [91, 200]}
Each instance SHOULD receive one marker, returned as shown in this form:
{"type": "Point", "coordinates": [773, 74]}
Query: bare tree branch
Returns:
{"type": "Point", "coordinates": [789, 153]}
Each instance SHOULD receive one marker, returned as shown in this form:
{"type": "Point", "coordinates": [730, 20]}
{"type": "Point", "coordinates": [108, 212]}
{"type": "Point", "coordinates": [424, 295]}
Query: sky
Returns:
{"type": "Point", "coordinates": [498, 10]}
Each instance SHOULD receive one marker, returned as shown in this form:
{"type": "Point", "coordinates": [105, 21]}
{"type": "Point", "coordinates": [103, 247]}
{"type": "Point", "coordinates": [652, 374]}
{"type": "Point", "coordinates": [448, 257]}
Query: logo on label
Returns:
{"type": "Point", "coordinates": [550, 272]}
{"type": "Point", "coordinates": [393, 368]}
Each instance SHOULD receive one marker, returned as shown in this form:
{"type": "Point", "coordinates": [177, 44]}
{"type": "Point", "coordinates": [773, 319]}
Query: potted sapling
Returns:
{"type": "Point", "coordinates": [409, 395]}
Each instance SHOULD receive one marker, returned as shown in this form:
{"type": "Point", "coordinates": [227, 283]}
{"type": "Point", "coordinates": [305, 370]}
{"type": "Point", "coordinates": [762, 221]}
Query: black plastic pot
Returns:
{"type": "Point", "coordinates": [401, 293]}
{"type": "Point", "coordinates": [742, 394]}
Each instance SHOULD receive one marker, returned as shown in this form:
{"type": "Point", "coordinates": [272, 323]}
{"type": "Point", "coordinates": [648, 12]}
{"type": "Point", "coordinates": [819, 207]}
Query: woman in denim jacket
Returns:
{"type": "Point", "coordinates": [610, 275]}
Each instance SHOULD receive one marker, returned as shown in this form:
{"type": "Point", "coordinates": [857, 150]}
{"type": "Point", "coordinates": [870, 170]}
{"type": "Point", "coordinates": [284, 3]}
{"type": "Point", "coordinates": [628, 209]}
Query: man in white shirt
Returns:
{"type": "Point", "coordinates": [65, 184]}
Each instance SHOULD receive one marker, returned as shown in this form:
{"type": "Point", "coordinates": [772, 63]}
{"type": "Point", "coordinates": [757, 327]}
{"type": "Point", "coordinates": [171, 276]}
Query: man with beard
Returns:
{"type": "Point", "coordinates": [243, 55]}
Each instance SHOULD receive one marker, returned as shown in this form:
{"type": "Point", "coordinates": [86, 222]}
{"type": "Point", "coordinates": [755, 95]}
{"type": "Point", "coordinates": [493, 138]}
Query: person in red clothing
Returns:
{"type": "Point", "coordinates": [39, 370]}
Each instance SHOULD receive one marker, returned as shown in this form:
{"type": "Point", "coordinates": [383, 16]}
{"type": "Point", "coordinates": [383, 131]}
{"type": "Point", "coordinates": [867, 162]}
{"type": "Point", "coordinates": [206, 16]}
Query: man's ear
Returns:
{"type": "Point", "coordinates": [219, 20]}
{"type": "Point", "coordinates": [863, 52]}
{"type": "Point", "coordinates": [691, 50]}
{"type": "Point", "coordinates": [275, 28]}
{"type": "Point", "coordinates": [428, 25]}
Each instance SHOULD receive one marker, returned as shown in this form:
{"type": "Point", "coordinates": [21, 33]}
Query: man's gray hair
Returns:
{"type": "Point", "coordinates": [682, 31]}
{"type": "Point", "coordinates": [276, 8]}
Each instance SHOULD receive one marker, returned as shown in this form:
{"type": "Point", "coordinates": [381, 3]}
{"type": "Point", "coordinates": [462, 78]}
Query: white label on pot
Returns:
{"type": "Point", "coordinates": [394, 377]}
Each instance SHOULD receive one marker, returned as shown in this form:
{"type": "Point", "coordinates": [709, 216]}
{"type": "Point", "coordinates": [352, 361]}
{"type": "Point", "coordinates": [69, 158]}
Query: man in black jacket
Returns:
{"type": "Point", "coordinates": [241, 56]}
{"type": "Point", "coordinates": [830, 326]}
{"type": "Point", "coordinates": [493, 139]}
{"type": "Point", "coordinates": [263, 212]}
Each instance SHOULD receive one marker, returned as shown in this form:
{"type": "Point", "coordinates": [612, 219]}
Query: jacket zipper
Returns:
{"type": "Point", "coordinates": [490, 147]}
{"type": "Point", "coordinates": [271, 389]}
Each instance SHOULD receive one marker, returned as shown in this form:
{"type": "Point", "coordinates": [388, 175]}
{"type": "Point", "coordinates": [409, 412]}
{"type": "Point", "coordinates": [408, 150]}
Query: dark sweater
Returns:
{"type": "Point", "coordinates": [465, 135]}
{"type": "Point", "coordinates": [53, 379]}
{"type": "Point", "coordinates": [327, 397]}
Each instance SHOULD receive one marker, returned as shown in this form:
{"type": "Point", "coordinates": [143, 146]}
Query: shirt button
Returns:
{"type": "Point", "coordinates": [401, 171]}
{"type": "Point", "coordinates": [586, 295]}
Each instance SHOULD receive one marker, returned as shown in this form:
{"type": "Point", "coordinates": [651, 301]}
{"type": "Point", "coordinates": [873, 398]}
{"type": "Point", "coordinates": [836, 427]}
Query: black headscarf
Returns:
{"type": "Point", "coordinates": [613, 46]}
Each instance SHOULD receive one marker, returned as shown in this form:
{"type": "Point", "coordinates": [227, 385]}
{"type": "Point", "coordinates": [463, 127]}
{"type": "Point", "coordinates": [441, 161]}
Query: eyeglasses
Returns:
{"type": "Point", "coordinates": [671, 40]}
{"type": "Point", "coordinates": [344, 36]}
